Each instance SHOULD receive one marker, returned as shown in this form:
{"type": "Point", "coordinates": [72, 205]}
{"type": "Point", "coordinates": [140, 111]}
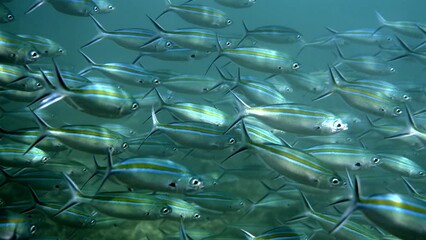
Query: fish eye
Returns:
{"type": "Point", "coordinates": [398, 111]}
{"type": "Point", "coordinates": [12, 55]}
{"type": "Point", "coordinates": [110, 7]}
{"type": "Point", "coordinates": [84, 169]}
{"type": "Point", "coordinates": [335, 181]}
{"type": "Point", "coordinates": [231, 141]}
{"type": "Point", "coordinates": [95, 8]}
{"type": "Point", "coordinates": [280, 68]}
{"type": "Point", "coordinates": [192, 56]}
{"type": "Point", "coordinates": [421, 173]}
{"type": "Point", "coordinates": [382, 109]}
{"type": "Point", "coordinates": [376, 160]}
{"type": "Point", "coordinates": [33, 229]}
{"type": "Point", "coordinates": [92, 222]}
{"type": "Point", "coordinates": [197, 216]}
{"type": "Point", "coordinates": [228, 43]}
{"type": "Point", "coordinates": [135, 106]}
{"type": "Point", "coordinates": [38, 84]}
{"type": "Point", "coordinates": [241, 203]}
{"type": "Point", "coordinates": [229, 21]}
{"type": "Point", "coordinates": [317, 127]}
{"type": "Point", "coordinates": [10, 16]}
{"type": "Point", "coordinates": [295, 66]}
{"type": "Point", "coordinates": [405, 96]}
{"type": "Point", "coordinates": [173, 185]}
{"type": "Point", "coordinates": [44, 159]}
{"type": "Point", "coordinates": [169, 44]}
{"type": "Point", "coordinates": [392, 69]}
{"type": "Point", "coordinates": [205, 89]}
{"type": "Point", "coordinates": [125, 145]}
{"type": "Point", "coordinates": [195, 182]}
{"type": "Point", "coordinates": [60, 50]}
{"type": "Point", "coordinates": [156, 81]}
{"type": "Point", "coordinates": [298, 37]}
{"type": "Point", "coordinates": [165, 210]}
{"type": "Point", "coordinates": [34, 54]}
{"type": "Point", "coordinates": [389, 38]}
{"type": "Point", "coordinates": [358, 164]}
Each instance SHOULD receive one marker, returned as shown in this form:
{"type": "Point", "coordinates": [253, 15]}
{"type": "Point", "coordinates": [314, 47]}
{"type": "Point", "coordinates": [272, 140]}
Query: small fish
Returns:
{"type": "Point", "coordinates": [104, 6]}
{"type": "Point", "coordinates": [399, 215]}
{"type": "Point", "coordinates": [121, 205]}
{"type": "Point", "coordinates": [236, 3]}
{"type": "Point", "coordinates": [365, 99]}
{"type": "Point", "coordinates": [16, 50]}
{"type": "Point", "coordinates": [402, 165]}
{"type": "Point", "coordinates": [199, 15]}
{"type": "Point", "coordinates": [259, 59]}
{"type": "Point", "coordinates": [46, 47]}
{"type": "Point", "coordinates": [365, 36]}
{"type": "Point", "coordinates": [19, 78]}
{"type": "Point", "coordinates": [15, 226]}
{"type": "Point", "coordinates": [177, 53]}
{"type": "Point", "coordinates": [80, 8]}
{"type": "Point", "coordinates": [367, 64]}
{"type": "Point", "coordinates": [340, 157]}
{"type": "Point", "coordinates": [273, 34]}
{"type": "Point", "coordinates": [192, 84]}
{"type": "Point", "coordinates": [408, 28]}
{"type": "Point", "coordinates": [15, 155]}
{"type": "Point", "coordinates": [179, 209]}
{"type": "Point", "coordinates": [193, 135]}
{"type": "Point", "coordinates": [6, 15]}
{"type": "Point", "coordinates": [218, 201]}
{"type": "Point", "coordinates": [131, 74]}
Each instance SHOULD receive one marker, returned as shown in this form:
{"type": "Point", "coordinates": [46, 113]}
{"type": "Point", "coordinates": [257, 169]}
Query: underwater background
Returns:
{"type": "Point", "coordinates": [266, 198]}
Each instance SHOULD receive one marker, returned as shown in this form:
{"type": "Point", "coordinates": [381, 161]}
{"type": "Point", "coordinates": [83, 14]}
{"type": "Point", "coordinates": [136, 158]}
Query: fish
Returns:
{"type": "Point", "coordinates": [46, 47]}
{"type": "Point", "coordinates": [81, 8]}
{"type": "Point", "coordinates": [292, 117]}
{"type": "Point", "coordinates": [273, 34]}
{"type": "Point", "coordinates": [103, 100]}
{"type": "Point", "coordinates": [400, 215]}
{"type": "Point", "coordinates": [16, 50]}
{"type": "Point", "coordinates": [15, 226]}
{"type": "Point", "coordinates": [402, 165]}
{"type": "Point", "coordinates": [236, 3]}
{"type": "Point", "coordinates": [365, 99]}
{"type": "Point", "coordinates": [408, 28]}
{"type": "Point", "coordinates": [6, 15]}
{"type": "Point", "coordinates": [199, 15]}
{"type": "Point", "coordinates": [15, 155]}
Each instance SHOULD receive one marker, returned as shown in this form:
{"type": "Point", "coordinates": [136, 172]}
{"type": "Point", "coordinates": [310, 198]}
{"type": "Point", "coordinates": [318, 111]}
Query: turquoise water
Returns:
{"type": "Point", "coordinates": [256, 183]}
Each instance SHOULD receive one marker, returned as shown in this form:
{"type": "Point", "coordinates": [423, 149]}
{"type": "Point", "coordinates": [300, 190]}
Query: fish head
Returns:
{"type": "Point", "coordinates": [189, 184]}
{"type": "Point", "coordinates": [375, 160]}
{"type": "Point", "coordinates": [417, 172]}
{"type": "Point", "coordinates": [7, 18]}
{"type": "Point", "coordinates": [331, 126]}
{"type": "Point", "coordinates": [25, 55]}
{"type": "Point", "coordinates": [328, 181]}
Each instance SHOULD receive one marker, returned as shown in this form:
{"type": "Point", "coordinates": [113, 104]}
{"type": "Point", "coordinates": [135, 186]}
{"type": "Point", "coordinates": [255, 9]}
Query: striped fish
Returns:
{"type": "Point", "coordinates": [126, 205]}
{"type": "Point", "coordinates": [402, 165]}
{"type": "Point", "coordinates": [179, 209]}
{"type": "Point", "coordinates": [350, 230]}
{"type": "Point", "coordinates": [199, 14]}
{"type": "Point", "coordinates": [80, 8]}
{"type": "Point", "coordinates": [130, 38]}
{"type": "Point", "coordinates": [15, 226]}
{"type": "Point", "coordinates": [273, 34]}
{"type": "Point", "coordinates": [17, 77]}
{"type": "Point", "coordinates": [366, 64]}
{"type": "Point", "coordinates": [408, 28]}
{"type": "Point", "coordinates": [192, 112]}
{"type": "Point", "coordinates": [156, 174]}
{"type": "Point", "coordinates": [192, 38]}
{"type": "Point", "coordinates": [131, 74]}
{"type": "Point", "coordinates": [340, 157]}
{"type": "Point", "coordinates": [397, 214]}
{"type": "Point", "coordinates": [365, 99]}
{"type": "Point", "coordinates": [236, 3]}
{"type": "Point", "coordinates": [388, 89]}
{"type": "Point", "coordinates": [86, 138]}
{"type": "Point", "coordinates": [218, 201]}
{"type": "Point", "coordinates": [193, 135]}
{"type": "Point", "coordinates": [36, 179]}
{"type": "Point", "coordinates": [192, 84]}
{"type": "Point", "coordinates": [292, 117]}
{"type": "Point", "coordinates": [414, 191]}
{"type": "Point", "coordinates": [103, 100]}
{"type": "Point", "coordinates": [46, 47]}
{"type": "Point", "coordinates": [365, 36]}
{"type": "Point", "coordinates": [15, 155]}
{"type": "Point", "coordinates": [16, 50]}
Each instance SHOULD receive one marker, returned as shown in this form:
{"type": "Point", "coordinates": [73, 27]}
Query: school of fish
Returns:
{"type": "Point", "coordinates": [253, 146]}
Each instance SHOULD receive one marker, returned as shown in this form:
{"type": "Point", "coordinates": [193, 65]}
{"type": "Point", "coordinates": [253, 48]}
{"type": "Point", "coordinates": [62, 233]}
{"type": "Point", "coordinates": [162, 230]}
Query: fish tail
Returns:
{"type": "Point", "coordinates": [7, 177]}
{"type": "Point", "coordinates": [102, 32]}
{"type": "Point", "coordinates": [248, 235]}
{"type": "Point", "coordinates": [97, 170]}
{"type": "Point", "coordinates": [169, 6]}
{"type": "Point", "coordinates": [242, 112]}
{"type": "Point", "coordinates": [246, 32]}
{"type": "Point", "coordinates": [89, 60]}
{"type": "Point", "coordinates": [76, 196]}
{"type": "Point", "coordinates": [381, 19]}
{"type": "Point", "coordinates": [44, 130]}
{"type": "Point", "coordinates": [332, 88]}
{"type": "Point", "coordinates": [154, 129]}
{"type": "Point", "coordinates": [108, 169]}
{"type": "Point", "coordinates": [35, 198]}
{"type": "Point", "coordinates": [333, 31]}
{"type": "Point", "coordinates": [35, 6]}
{"type": "Point", "coordinates": [219, 50]}
{"type": "Point", "coordinates": [410, 187]}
